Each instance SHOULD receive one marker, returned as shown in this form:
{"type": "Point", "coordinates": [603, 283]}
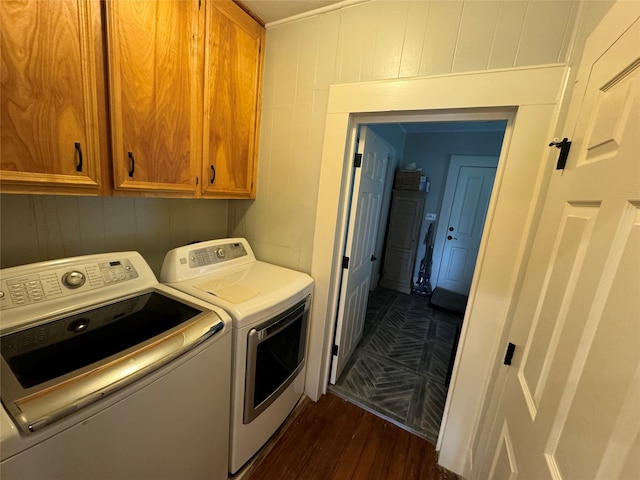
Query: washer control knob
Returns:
{"type": "Point", "coordinates": [220, 253]}
{"type": "Point", "coordinates": [73, 279]}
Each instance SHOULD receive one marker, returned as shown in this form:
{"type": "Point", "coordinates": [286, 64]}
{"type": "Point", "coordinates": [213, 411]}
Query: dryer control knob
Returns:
{"type": "Point", "coordinates": [73, 279]}
{"type": "Point", "coordinates": [220, 253]}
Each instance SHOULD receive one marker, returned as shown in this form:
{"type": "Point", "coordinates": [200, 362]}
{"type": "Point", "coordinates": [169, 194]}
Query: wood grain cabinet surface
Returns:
{"type": "Point", "coordinates": [152, 57]}
{"type": "Point", "coordinates": [184, 83]}
{"type": "Point", "coordinates": [232, 92]}
{"type": "Point", "coordinates": [50, 140]}
{"type": "Point", "coordinates": [184, 80]}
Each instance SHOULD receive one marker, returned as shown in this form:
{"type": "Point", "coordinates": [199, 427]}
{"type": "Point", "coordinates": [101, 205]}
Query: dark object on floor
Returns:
{"type": "Point", "coordinates": [334, 439]}
{"type": "Point", "coordinates": [448, 300]}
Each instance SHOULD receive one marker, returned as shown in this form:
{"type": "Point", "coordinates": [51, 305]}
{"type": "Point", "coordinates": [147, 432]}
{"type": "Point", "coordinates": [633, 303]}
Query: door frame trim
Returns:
{"type": "Point", "coordinates": [529, 99]}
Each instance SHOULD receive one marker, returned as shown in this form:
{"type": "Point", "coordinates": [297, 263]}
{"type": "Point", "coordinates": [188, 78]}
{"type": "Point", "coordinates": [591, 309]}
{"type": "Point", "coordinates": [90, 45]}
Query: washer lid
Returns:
{"type": "Point", "coordinates": [54, 368]}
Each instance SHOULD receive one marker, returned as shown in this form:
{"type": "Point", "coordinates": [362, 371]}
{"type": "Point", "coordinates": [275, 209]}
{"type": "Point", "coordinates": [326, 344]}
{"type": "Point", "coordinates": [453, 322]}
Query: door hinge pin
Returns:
{"type": "Point", "coordinates": [345, 262]}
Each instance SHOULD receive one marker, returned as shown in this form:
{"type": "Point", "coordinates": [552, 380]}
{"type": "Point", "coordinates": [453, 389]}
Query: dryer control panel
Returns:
{"type": "Point", "coordinates": [214, 254]}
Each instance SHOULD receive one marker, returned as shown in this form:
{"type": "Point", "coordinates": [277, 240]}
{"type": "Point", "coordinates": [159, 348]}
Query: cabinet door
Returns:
{"type": "Point", "coordinates": [152, 49]}
{"type": "Point", "coordinates": [50, 139]}
{"type": "Point", "coordinates": [233, 71]}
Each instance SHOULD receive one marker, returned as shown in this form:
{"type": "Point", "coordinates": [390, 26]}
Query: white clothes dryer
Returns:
{"type": "Point", "coordinates": [269, 307]}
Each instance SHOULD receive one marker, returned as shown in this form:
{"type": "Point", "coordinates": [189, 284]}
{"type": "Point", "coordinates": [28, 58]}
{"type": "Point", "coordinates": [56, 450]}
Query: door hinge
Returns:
{"type": "Point", "coordinates": [345, 262]}
{"type": "Point", "coordinates": [199, 4]}
{"type": "Point", "coordinates": [509, 356]}
{"type": "Point", "coordinates": [357, 160]}
{"type": "Point", "coordinates": [197, 180]}
{"type": "Point", "coordinates": [334, 350]}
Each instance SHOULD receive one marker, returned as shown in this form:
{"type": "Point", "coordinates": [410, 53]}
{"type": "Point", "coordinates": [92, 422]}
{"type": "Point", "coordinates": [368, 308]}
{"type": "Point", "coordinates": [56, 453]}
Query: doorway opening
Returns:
{"type": "Point", "coordinates": [403, 355]}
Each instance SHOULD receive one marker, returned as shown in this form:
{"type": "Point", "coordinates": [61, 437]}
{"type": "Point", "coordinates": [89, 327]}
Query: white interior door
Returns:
{"type": "Point", "coordinates": [464, 210]}
{"type": "Point", "coordinates": [368, 188]}
{"type": "Point", "coordinates": [569, 405]}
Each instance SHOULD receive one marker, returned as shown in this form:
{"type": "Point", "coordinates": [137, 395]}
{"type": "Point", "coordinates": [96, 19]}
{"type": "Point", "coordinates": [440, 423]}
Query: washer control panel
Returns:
{"type": "Point", "coordinates": [63, 281]}
{"type": "Point", "coordinates": [201, 257]}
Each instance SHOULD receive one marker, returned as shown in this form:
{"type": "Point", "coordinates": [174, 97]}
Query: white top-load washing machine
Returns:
{"type": "Point", "coordinates": [269, 306]}
{"type": "Point", "coordinates": [105, 374]}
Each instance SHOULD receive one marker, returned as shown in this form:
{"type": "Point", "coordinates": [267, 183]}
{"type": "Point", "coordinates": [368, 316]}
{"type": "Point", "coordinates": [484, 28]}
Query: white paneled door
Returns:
{"type": "Point", "coordinates": [569, 407]}
{"type": "Point", "coordinates": [368, 187]}
{"type": "Point", "coordinates": [464, 209]}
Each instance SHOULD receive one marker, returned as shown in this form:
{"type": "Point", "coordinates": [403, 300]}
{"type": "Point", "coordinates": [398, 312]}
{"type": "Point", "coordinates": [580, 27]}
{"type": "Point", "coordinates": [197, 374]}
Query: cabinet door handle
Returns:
{"type": "Point", "coordinates": [132, 164]}
{"type": "Point", "coordinates": [79, 151]}
{"type": "Point", "coordinates": [373, 258]}
{"type": "Point", "coordinates": [213, 174]}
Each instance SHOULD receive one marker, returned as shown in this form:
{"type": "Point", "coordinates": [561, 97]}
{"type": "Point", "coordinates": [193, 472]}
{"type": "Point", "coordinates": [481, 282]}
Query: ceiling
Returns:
{"type": "Point", "coordinates": [272, 10]}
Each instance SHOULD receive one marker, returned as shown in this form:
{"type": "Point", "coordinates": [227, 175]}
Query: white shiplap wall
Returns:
{"type": "Point", "coordinates": [374, 40]}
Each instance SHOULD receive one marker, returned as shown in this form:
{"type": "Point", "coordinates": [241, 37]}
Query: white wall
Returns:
{"type": "Point", "coordinates": [35, 228]}
{"type": "Point", "coordinates": [367, 41]}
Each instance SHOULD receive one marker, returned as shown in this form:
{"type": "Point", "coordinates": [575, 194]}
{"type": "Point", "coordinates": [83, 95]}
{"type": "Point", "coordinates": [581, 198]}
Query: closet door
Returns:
{"type": "Point", "coordinates": [405, 220]}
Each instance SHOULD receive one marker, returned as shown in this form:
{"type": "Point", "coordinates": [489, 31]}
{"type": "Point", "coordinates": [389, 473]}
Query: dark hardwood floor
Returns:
{"type": "Point", "coordinates": [334, 439]}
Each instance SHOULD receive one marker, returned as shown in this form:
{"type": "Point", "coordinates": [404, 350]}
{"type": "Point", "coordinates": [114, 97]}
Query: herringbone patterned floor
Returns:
{"type": "Point", "coordinates": [400, 366]}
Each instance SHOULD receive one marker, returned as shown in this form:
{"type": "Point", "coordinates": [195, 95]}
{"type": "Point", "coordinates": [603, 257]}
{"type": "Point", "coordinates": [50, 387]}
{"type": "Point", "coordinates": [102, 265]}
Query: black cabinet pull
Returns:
{"type": "Point", "coordinates": [132, 164]}
{"type": "Point", "coordinates": [213, 174]}
{"type": "Point", "coordinates": [79, 150]}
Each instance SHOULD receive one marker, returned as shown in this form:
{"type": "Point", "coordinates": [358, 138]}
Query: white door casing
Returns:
{"type": "Point", "coordinates": [368, 189]}
{"type": "Point", "coordinates": [464, 209]}
{"type": "Point", "coordinates": [528, 99]}
{"type": "Point", "coordinates": [568, 407]}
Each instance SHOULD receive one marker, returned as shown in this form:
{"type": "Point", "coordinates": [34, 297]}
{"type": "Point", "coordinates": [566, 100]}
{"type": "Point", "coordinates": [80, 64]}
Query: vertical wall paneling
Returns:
{"type": "Point", "coordinates": [305, 81]}
{"type": "Point", "coordinates": [441, 33]}
{"type": "Point", "coordinates": [120, 224]}
{"type": "Point", "coordinates": [507, 34]}
{"type": "Point", "coordinates": [377, 40]}
{"type": "Point", "coordinates": [92, 225]}
{"type": "Point", "coordinates": [354, 24]}
{"type": "Point", "coordinates": [475, 39]}
{"type": "Point", "coordinates": [414, 33]}
{"type": "Point", "coordinates": [327, 49]}
{"type": "Point", "coordinates": [555, 19]}
{"type": "Point", "coordinates": [389, 44]}
{"type": "Point", "coordinates": [285, 69]}
{"type": "Point", "coordinates": [20, 236]}
{"type": "Point", "coordinates": [37, 228]}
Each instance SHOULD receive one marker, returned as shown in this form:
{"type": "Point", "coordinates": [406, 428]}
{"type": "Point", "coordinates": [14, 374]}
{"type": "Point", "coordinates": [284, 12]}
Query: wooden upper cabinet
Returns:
{"type": "Point", "coordinates": [49, 131]}
{"type": "Point", "coordinates": [155, 99]}
{"type": "Point", "coordinates": [233, 63]}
